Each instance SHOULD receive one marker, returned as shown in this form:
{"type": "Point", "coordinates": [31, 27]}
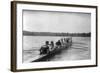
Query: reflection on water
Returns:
{"type": "Point", "coordinates": [80, 49]}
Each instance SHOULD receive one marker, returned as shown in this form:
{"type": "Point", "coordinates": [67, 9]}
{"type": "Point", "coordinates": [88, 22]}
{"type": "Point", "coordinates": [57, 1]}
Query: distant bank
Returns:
{"type": "Point", "coordinates": [28, 33]}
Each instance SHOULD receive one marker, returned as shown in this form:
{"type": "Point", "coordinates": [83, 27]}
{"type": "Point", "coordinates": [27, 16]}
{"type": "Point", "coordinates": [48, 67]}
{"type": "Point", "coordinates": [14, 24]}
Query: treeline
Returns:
{"type": "Point", "coordinates": [27, 33]}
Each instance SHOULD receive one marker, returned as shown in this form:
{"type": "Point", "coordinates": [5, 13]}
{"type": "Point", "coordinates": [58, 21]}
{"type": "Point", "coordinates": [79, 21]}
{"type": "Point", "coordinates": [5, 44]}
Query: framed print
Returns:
{"type": "Point", "coordinates": [48, 36]}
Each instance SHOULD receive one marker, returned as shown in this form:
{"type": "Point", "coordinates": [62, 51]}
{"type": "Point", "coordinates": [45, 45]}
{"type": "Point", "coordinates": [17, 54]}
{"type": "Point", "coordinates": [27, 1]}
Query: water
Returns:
{"type": "Point", "coordinates": [80, 49]}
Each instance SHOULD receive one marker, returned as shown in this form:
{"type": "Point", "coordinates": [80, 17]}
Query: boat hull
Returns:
{"type": "Point", "coordinates": [56, 50]}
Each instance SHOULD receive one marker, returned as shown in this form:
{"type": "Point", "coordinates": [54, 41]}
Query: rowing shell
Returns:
{"type": "Point", "coordinates": [44, 56]}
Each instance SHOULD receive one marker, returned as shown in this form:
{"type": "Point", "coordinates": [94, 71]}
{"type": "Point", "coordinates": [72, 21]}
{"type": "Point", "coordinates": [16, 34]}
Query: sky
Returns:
{"type": "Point", "coordinates": [50, 21]}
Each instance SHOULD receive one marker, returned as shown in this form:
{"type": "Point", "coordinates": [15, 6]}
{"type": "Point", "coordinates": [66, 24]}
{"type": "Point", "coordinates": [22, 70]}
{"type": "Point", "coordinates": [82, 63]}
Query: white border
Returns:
{"type": "Point", "coordinates": [21, 65]}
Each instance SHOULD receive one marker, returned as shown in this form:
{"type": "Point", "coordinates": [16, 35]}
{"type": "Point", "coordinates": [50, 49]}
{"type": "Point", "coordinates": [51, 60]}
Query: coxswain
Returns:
{"type": "Point", "coordinates": [45, 48]}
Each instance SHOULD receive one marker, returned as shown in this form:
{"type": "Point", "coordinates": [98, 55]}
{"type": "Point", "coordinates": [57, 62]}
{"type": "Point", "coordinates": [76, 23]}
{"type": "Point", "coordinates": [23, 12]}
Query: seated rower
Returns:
{"type": "Point", "coordinates": [58, 44]}
{"type": "Point", "coordinates": [62, 42]}
{"type": "Point", "coordinates": [51, 46]}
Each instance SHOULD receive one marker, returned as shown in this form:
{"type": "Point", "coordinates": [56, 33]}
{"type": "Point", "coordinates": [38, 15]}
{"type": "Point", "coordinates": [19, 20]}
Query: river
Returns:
{"type": "Point", "coordinates": [80, 49]}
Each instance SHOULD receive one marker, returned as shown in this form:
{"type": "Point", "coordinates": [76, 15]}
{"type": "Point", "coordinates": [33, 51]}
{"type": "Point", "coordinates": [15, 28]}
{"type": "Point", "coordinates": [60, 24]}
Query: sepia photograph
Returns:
{"type": "Point", "coordinates": [56, 36]}
{"type": "Point", "coordinates": [52, 36]}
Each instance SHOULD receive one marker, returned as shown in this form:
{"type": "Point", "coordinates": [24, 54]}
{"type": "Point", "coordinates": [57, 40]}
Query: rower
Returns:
{"type": "Point", "coordinates": [62, 42]}
{"type": "Point", "coordinates": [58, 44]}
{"type": "Point", "coordinates": [52, 45]}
